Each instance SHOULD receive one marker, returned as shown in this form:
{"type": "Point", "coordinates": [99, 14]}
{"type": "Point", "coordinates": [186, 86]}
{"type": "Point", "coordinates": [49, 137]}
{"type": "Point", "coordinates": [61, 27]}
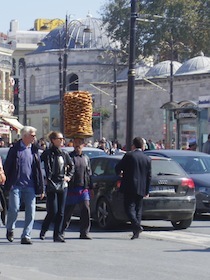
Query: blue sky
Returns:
{"type": "Point", "coordinates": [27, 11]}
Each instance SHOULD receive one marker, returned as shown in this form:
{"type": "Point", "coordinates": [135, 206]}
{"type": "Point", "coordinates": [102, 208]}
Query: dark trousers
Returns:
{"type": "Point", "coordinates": [84, 217]}
{"type": "Point", "coordinates": [133, 206]}
{"type": "Point", "coordinates": [55, 211]}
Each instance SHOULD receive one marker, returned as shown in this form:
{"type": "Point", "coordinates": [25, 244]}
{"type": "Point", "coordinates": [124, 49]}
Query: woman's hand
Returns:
{"type": "Point", "coordinates": [67, 179]}
{"type": "Point", "coordinates": [42, 196]}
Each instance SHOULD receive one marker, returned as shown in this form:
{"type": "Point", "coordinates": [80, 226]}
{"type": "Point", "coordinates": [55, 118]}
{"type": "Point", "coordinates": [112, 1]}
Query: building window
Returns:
{"type": "Point", "coordinates": [73, 82]}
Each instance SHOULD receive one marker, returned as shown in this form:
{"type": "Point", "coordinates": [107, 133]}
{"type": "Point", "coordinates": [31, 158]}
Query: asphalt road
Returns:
{"type": "Point", "coordinates": [159, 253]}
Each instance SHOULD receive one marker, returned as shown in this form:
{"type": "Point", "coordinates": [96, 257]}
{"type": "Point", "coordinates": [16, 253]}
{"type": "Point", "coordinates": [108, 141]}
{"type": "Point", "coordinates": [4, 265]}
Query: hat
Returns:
{"type": "Point", "coordinates": [192, 142]}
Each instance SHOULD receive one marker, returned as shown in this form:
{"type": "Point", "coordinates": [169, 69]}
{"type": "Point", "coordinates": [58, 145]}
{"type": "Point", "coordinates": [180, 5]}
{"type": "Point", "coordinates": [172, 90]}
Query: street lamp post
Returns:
{"type": "Point", "coordinates": [171, 69]}
{"type": "Point", "coordinates": [60, 92]}
{"type": "Point", "coordinates": [131, 76]}
{"type": "Point", "coordinates": [115, 98]}
{"type": "Point", "coordinates": [24, 94]}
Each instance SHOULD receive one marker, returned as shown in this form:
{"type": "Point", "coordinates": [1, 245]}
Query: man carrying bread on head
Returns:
{"type": "Point", "coordinates": [78, 190]}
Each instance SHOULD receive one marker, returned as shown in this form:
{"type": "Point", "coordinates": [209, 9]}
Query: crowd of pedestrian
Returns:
{"type": "Point", "coordinates": [67, 181]}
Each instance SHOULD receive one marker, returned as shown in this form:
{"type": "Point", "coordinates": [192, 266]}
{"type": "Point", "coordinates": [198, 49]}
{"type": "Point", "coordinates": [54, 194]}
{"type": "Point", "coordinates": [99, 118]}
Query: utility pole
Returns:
{"type": "Point", "coordinates": [24, 95]}
{"type": "Point", "coordinates": [65, 59]}
{"type": "Point", "coordinates": [131, 77]}
{"type": "Point", "coordinates": [115, 97]}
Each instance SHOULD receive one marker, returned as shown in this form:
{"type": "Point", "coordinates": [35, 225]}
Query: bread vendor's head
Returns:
{"type": "Point", "coordinates": [78, 144]}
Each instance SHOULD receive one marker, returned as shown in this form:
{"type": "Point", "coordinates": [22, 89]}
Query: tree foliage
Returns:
{"type": "Point", "coordinates": [186, 23]}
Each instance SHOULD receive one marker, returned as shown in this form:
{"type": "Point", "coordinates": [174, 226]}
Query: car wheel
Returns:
{"type": "Point", "coordinates": [183, 224]}
{"type": "Point", "coordinates": [104, 214]}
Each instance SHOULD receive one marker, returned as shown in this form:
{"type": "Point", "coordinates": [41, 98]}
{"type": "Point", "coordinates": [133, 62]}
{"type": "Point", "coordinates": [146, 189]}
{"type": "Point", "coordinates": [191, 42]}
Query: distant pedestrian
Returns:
{"type": "Point", "coordinates": [135, 167]}
{"type": "Point", "coordinates": [59, 169]}
{"type": "Point", "coordinates": [78, 191]}
{"type": "Point", "coordinates": [24, 180]}
{"type": "Point", "coordinates": [3, 206]}
{"type": "Point", "coordinates": [151, 145]}
{"type": "Point", "coordinates": [192, 146]}
{"type": "Point", "coordinates": [206, 146]}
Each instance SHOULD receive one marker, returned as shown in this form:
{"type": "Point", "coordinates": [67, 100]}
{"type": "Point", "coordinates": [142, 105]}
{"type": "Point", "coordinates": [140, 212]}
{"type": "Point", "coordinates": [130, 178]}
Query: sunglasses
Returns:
{"type": "Point", "coordinates": [60, 138]}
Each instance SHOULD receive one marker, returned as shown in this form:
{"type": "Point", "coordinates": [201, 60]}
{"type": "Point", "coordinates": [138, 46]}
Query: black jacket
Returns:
{"type": "Point", "coordinates": [88, 171]}
{"type": "Point", "coordinates": [12, 170]}
{"type": "Point", "coordinates": [49, 157]}
{"type": "Point", "coordinates": [136, 167]}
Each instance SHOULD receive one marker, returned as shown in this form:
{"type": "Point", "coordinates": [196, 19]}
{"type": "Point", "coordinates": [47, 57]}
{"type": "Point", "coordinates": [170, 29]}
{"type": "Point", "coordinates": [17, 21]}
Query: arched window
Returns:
{"type": "Point", "coordinates": [73, 82]}
{"type": "Point", "coordinates": [21, 65]}
{"type": "Point", "coordinates": [13, 67]}
{"type": "Point", "coordinates": [32, 96]}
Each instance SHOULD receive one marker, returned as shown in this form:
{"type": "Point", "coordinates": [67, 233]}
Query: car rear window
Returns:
{"type": "Point", "coordinates": [166, 167]}
{"type": "Point", "coordinates": [194, 165]}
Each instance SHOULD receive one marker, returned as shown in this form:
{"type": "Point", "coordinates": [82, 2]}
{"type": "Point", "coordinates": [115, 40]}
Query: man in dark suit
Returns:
{"type": "Point", "coordinates": [136, 176]}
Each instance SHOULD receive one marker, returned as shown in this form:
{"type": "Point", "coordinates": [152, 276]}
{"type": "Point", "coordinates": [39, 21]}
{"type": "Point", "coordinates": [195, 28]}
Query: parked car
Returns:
{"type": "Point", "coordinates": [172, 193]}
{"type": "Point", "coordinates": [89, 151]}
{"type": "Point", "coordinates": [197, 165]}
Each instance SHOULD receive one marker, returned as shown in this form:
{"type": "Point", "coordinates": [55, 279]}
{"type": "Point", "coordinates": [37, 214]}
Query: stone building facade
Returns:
{"type": "Point", "coordinates": [151, 93]}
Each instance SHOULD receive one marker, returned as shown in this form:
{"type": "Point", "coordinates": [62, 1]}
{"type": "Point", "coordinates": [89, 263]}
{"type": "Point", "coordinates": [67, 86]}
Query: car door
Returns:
{"type": "Point", "coordinates": [105, 184]}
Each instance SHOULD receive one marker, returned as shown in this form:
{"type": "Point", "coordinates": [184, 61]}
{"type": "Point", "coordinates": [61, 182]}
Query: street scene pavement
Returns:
{"type": "Point", "coordinates": [159, 253]}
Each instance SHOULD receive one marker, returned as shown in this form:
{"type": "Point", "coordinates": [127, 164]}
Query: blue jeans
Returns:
{"type": "Point", "coordinates": [26, 195]}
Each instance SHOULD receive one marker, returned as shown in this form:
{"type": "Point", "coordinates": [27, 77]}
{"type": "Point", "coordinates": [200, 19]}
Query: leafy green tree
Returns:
{"type": "Point", "coordinates": [184, 22]}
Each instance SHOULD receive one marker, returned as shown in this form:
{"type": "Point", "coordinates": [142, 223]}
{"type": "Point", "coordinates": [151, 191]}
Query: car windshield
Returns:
{"type": "Point", "coordinates": [166, 167]}
{"type": "Point", "coordinates": [193, 164]}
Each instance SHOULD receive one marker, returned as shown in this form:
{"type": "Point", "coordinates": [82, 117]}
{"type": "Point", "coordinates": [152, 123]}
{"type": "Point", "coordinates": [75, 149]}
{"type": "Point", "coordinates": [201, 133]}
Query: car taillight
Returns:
{"type": "Point", "coordinates": [118, 184]}
{"type": "Point", "coordinates": [188, 182]}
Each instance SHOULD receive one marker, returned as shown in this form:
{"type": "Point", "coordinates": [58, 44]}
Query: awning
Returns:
{"type": "Point", "coordinates": [14, 123]}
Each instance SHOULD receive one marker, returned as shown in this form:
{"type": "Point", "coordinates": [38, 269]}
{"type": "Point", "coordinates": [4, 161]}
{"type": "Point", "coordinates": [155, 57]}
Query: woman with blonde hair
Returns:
{"type": "Point", "coordinates": [59, 170]}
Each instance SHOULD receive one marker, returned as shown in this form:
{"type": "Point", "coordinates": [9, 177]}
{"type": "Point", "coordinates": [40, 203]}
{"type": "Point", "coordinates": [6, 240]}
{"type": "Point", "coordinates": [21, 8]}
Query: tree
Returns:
{"type": "Point", "coordinates": [185, 21]}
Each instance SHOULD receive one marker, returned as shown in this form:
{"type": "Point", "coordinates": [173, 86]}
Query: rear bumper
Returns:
{"type": "Point", "coordinates": [181, 208]}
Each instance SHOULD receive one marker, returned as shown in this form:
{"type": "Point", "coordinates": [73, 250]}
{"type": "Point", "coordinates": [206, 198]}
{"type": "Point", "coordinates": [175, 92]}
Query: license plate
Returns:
{"type": "Point", "coordinates": [168, 189]}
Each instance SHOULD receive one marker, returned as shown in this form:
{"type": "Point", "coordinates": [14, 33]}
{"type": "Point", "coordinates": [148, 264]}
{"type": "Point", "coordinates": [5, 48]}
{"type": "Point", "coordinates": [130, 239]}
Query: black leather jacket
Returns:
{"type": "Point", "coordinates": [52, 170]}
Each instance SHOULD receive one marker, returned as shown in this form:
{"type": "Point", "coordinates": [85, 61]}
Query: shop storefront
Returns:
{"type": "Point", "coordinates": [9, 125]}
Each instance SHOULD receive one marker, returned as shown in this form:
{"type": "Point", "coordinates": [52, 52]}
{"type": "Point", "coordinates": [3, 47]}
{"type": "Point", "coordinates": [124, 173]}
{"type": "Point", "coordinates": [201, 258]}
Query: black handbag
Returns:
{"type": "Point", "coordinates": [56, 186]}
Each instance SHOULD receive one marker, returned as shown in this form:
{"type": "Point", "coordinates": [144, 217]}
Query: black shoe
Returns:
{"type": "Point", "coordinates": [136, 233]}
{"type": "Point", "coordinates": [26, 241]}
{"type": "Point", "coordinates": [42, 235]}
{"type": "Point", "coordinates": [85, 236]}
{"type": "Point", "coordinates": [10, 236]}
{"type": "Point", "coordinates": [59, 239]}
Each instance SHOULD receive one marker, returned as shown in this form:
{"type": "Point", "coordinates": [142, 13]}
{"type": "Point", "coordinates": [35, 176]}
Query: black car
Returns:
{"type": "Point", "coordinates": [172, 193]}
{"type": "Point", "coordinates": [197, 165]}
{"type": "Point", "coordinates": [89, 151]}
